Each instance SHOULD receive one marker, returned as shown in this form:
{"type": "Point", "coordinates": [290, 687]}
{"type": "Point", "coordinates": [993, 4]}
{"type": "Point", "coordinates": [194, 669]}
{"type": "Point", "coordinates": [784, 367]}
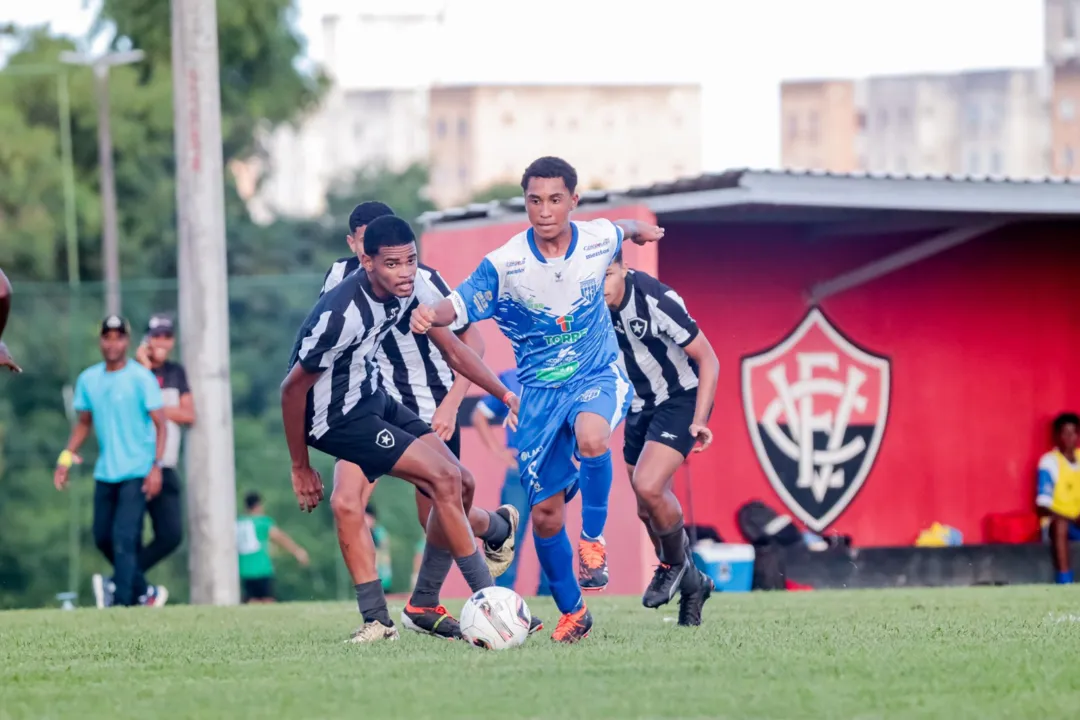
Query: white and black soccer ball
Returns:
{"type": "Point", "coordinates": [496, 618]}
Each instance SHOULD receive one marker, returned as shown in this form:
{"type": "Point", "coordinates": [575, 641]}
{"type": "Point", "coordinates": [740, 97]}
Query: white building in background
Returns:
{"type": "Point", "coordinates": [979, 122]}
{"type": "Point", "coordinates": [375, 113]}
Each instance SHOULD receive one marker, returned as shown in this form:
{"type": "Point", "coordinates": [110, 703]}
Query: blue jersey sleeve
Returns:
{"type": "Point", "coordinates": [477, 297]}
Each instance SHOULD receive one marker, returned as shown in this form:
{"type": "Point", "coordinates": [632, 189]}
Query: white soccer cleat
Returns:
{"type": "Point", "coordinates": [498, 560]}
{"type": "Point", "coordinates": [373, 631]}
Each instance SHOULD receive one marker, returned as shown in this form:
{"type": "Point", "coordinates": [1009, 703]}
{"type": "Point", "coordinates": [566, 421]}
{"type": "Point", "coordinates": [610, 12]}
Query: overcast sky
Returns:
{"type": "Point", "coordinates": [739, 50]}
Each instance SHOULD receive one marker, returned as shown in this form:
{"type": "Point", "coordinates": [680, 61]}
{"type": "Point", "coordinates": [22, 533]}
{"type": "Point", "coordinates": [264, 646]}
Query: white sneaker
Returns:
{"type": "Point", "coordinates": [156, 596]}
{"type": "Point", "coordinates": [373, 631]}
{"type": "Point", "coordinates": [498, 560]}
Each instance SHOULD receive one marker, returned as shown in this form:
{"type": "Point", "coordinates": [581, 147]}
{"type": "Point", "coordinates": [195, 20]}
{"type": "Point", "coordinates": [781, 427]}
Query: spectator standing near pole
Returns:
{"type": "Point", "coordinates": [121, 400]}
{"type": "Point", "coordinates": [166, 509]}
{"type": "Point", "coordinates": [6, 361]}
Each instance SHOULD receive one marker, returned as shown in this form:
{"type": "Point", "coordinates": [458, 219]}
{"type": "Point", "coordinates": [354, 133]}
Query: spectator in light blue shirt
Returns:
{"type": "Point", "coordinates": [122, 401]}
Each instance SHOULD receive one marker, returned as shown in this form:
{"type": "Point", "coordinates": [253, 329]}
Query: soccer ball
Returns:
{"type": "Point", "coordinates": [496, 618]}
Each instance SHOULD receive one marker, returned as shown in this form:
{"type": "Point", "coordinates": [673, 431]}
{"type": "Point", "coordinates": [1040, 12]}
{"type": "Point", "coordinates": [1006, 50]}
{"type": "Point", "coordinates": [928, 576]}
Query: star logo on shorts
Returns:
{"type": "Point", "coordinates": [385, 439]}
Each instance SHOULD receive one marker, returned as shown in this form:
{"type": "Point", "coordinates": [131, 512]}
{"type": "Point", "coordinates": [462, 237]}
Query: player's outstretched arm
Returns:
{"type": "Point", "coordinates": [425, 317]}
{"type": "Point", "coordinates": [701, 351]}
{"type": "Point", "coordinates": [444, 420]}
{"type": "Point", "coordinates": [463, 360]}
{"type": "Point", "coordinates": [307, 485]}
{"type": "Point", "coordinates": [639, 232]}
{"type": "Point", "coordinates": [281, 538]}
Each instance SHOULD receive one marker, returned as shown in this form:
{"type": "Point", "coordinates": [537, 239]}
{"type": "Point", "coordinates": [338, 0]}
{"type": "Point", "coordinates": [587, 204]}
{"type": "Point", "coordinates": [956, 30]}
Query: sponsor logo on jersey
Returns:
{"type": "Point", "coordinates": [481, 299]}
{"type": "Point", "coordinates": [558, 373]}
{"type": "Point", "coordinates": [568, 336]}
{"type": "Point", "coordinates": [816, 407]}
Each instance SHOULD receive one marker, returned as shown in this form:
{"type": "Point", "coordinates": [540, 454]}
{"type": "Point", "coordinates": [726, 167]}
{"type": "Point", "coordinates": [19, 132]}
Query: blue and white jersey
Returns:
{"type": "Point", "coordinates": [551, 309]}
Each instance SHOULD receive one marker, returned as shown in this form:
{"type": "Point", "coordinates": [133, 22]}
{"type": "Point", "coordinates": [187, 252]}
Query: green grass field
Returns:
{"type": "Point", "coordinates": [971, 653]}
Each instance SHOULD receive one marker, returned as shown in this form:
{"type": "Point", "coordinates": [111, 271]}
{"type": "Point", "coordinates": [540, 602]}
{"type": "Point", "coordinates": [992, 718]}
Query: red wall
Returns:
{"type": "Point", "coordinates": [984, 342]}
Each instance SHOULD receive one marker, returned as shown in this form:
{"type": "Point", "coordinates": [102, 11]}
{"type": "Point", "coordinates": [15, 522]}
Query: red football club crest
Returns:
{"type": "Point", "coordinates": [816, 407]}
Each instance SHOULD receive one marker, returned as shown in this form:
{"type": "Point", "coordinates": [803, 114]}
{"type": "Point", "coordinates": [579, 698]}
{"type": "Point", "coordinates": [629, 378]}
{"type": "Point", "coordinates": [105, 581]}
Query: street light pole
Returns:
{"type": "Point", "coordinates": [110, 245]}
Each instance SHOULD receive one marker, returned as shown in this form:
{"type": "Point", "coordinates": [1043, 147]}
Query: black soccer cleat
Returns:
{"type": "Point", "coordinates": [535, 625]}
{"type": "Point", "coordinates": [692, 600]}
{"type": "Point", "coordinates": [434, 621]}
{"type": "Point", "coordinates": [665, 581]}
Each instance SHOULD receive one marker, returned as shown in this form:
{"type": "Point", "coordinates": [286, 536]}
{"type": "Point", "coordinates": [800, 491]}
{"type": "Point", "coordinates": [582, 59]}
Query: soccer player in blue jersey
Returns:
{"type": "Point", "coordinates": [544, 288]}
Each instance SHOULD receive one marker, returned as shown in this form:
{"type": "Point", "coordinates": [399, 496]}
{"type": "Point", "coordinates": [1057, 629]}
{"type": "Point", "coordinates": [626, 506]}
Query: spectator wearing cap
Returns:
{"type": "Point", "coordinates": [166, 509]}
{"type": "Point", "coordinates": [121, 400]}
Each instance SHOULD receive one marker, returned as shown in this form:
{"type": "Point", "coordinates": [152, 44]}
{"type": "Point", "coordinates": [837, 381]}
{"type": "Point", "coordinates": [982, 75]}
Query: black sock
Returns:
{"type": "Point", "coordinates": [475, 571]}
{"type": "Point", "coordinates": [372, 602]}
{"type": "Point", "coordinates": [434, 568]}
{"type": "Point", "coordinates": [498, 530]}
{"type": "Point", "coordinates": [673, 544]}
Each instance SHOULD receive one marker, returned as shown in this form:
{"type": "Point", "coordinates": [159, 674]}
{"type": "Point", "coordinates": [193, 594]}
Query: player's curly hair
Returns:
{"type": "Point", "coordinates": [386, 231]}
{"type": "Point", "coordinates": [550, 167]}
{"type": "Point", "coordinates": [1064, 419]}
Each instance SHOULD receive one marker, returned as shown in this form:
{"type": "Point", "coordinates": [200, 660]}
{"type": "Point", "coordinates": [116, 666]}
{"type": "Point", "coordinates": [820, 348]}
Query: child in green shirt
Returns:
{"type": "Point", "coordinates": [254, 533]}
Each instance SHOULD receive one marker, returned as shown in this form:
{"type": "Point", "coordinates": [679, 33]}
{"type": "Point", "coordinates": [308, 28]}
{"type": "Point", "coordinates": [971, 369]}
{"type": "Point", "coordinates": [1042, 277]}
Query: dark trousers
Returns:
{"type": "Point", "coordinates": [166, 516]}
{"type": "Point", "coordinates": [118, 519]}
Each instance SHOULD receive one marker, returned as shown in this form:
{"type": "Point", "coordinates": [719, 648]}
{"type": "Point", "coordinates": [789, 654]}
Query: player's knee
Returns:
{"type": "Point", "coordinates": [347, 502]}
{"type": "Point", "coordinates": [446, 483]}
{"type": "Point", "coordinates": [468, 487]}
{"type": "Point", "coordinates": [592, 443]}
{"type": "Point", "coordinates": [650, 492]}
{"type": "Point", "coordinates": [547, 520]}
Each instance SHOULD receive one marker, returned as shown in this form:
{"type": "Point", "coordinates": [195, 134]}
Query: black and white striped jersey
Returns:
{"type": "Point", "coordinates": [339, 340]}
{"type": "Point", "coordinates": [653, 326]}
{"type": "Point", "coordinates": [411, 368]}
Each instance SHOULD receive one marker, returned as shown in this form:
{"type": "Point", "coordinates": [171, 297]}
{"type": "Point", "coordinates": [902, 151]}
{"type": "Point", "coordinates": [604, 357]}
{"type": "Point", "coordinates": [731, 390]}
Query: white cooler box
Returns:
{"type": "Point", "coordinates": [731, 566]}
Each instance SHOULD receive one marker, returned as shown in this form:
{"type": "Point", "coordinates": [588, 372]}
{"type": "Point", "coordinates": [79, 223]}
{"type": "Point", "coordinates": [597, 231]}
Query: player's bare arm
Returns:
{"type": "Point", "coordinates": [69, 456]}
{"type": "Point", "coordinates": [5, 309]}
{"type": "Point", "coordinates": [307, 485]}
{"type": "Point", "coordinates": [444, 420]}
{"type": "Point", "coordinates": [152, 483]}
{"type": "Point", "coordinates": [463, 360]}
{"type": "Point", "coordinates": [701, 351]}
{"type": "Point", "coordinates": [639, 232]}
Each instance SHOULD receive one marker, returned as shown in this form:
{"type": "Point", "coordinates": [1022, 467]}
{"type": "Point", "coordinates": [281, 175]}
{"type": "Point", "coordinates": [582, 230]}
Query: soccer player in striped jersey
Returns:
{"type": "Point", "coordinates": [413, 372]}
{"type": "Point", "coordinates": [332, 401]}
{"type": "Point", "coordinates": [674, 371]}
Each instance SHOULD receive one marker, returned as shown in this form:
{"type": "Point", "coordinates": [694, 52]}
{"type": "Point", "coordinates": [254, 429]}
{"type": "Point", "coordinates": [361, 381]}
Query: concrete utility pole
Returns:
{"type": "Point", "coordinates": [110, 245]}
{"type": "Point", "coordinates": [204, 309]}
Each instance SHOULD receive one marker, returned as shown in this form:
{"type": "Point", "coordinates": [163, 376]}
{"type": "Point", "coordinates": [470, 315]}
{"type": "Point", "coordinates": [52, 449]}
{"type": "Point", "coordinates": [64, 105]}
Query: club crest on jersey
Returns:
{"type": "Point", "coordinates": [638, 326]}
{"type": "Point", "coordinates": [816, 407]}
{"type": "Point", "coordinates": [589, 288]}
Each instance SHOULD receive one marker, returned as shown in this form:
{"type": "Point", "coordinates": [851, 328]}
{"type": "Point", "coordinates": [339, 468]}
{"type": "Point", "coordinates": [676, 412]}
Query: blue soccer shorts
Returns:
{"type": "Point", "coordinates": [545, 433]}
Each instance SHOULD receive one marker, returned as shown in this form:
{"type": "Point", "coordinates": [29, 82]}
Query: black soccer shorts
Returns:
{"type": "Point", "coordinates": [668, 424]}
{"type": "Point", "coordinates": [374, 435]}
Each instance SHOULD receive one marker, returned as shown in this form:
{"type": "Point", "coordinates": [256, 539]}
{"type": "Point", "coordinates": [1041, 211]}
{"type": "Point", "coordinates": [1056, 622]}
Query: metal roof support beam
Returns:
{"type": "Point", "coordinates": [901, 259]}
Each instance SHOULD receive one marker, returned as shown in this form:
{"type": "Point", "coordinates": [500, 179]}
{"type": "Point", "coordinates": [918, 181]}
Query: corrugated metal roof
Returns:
{"type": "Point", "coordinates": [812, 188]}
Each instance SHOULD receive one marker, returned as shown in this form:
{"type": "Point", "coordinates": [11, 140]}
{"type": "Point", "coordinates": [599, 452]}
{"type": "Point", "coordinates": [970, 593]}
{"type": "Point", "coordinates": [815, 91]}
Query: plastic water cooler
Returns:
{"type": "Point", "coordinates": [731, 566]}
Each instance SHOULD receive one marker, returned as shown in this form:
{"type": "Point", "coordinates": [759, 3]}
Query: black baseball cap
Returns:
{"type": "Point", "coordinates": [160, 325]}
{"type": "Point", "coordinates": [115, 323]}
